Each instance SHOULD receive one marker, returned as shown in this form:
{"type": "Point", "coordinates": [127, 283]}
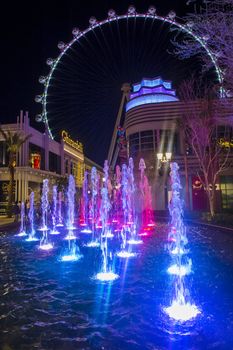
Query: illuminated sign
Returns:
{"type": "Point", "coordinates": [74, 144]}
{"type": "Point", "coordinates": [226, 144]}
{"type": "Point", "coordinates": [35, 160]}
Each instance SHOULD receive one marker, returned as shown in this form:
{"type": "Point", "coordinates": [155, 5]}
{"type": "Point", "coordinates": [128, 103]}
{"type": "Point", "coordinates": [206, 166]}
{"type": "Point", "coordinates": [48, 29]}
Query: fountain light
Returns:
{"type": "Point", "coordinates": [181, 271]}
{"type": "Point", "coordinates": [43, 228]}
{"type": "Point", "coordinates": [182, 312]}
{"type": "Point", "coordinates": [109, 234]}
{"type": "Point", "coordinates": [93, 244]}
{"type": "Point", "coordinates": [143, 234]}
{"type": "Point", "coordinates": [71, 257]}
{"type": "Point", "coordinates": [32, 239]}
{"type": "Point", "coordinates": [106, 276]}
{"type": "Point", "coordinates": [54, 232]}
{"type": "Point", "coordinates": [70, 236]}
{"type": "Point", "coordinates": [135, 241]}
{"type": "Point", "coordinates": [86, 230]}
{"type": "Point", "coordinates": [177, 251]}
{"type": "Point", "coordinates": [125, 254]}
{"type": "Point", "coordinates": [59, 225]}
{"type": "Point", "coordinates": [21, 234]}
{"type": "Point", "coordinates": [46, 246]}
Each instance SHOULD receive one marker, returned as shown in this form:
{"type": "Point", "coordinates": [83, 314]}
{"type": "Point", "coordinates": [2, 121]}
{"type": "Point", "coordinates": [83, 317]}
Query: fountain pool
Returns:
{"type": "Point", "coordinates": [50, 304]}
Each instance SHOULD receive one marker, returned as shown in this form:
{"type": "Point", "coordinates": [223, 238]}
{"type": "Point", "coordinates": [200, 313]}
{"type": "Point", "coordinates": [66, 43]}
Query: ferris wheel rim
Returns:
{"type": "Point", "coordinates": [170, 19]}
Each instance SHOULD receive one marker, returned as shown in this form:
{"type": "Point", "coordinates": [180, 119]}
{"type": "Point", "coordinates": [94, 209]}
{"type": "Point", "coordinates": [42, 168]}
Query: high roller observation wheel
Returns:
{"type": "Point", "coordinates": [113, 17]}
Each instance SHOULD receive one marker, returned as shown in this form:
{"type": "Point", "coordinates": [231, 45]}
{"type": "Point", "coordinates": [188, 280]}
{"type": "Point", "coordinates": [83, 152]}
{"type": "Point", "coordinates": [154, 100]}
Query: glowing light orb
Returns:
{"type": "Point", "coordinates": [31, 239]}
{"type": "Point", "coordinates": [93, 244]}
{"type": "Point", "coordinates": [71, 257]}
{"type": "Point", "coordinates": [179, 271]}
{"type": "Point", "coordinates": [86, 230]}
{"type": "Point", "coordinates": [83, 224]}
{"type": "Point", "coordinates": [182, 312]}
{"type": "Point", "coordinates": [151, 225]}
{"type": "Point", "coordinates": [106, 276]}
{"type": "Point", "coordinates": [135, 241]}
{"type": "Point", "coordinates": [54, 232]}
{"type": "Point", "coordinates": [47, 246]}
{"type": "Point", "coordinates": [99, 226]}
{"type": "Point", "coordinates": [143, 234]}
{"type": "Point", "coordinates": [70, 237]}
{"type": "Point", "coordinates": [59, 225]}
{"type": "Point", "coordinates": [21, 234]}
{"type": "Point", "coordinates": [125, 254]}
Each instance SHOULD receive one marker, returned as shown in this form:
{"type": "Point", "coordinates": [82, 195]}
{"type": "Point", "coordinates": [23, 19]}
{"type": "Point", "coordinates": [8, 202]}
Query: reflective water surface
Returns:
{"type": "Point", "coordinates": [49, 304]}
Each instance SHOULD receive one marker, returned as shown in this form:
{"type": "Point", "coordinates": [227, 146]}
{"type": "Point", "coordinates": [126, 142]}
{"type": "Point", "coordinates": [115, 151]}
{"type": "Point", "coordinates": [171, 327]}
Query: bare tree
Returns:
{"type": "Point", "coordinates": [213, 23]}
{"type": "Point", "coordinates": [203, 128]}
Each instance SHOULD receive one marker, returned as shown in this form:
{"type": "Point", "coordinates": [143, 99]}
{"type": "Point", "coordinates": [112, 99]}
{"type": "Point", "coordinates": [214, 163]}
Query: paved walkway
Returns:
{"type": "Point", "coordinates": [5, 220]}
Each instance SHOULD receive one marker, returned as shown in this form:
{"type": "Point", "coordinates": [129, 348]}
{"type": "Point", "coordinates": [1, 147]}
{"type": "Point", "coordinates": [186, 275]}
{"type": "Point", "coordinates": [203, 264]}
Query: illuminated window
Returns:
{"type": "Point", "coordinates": [226, 187]}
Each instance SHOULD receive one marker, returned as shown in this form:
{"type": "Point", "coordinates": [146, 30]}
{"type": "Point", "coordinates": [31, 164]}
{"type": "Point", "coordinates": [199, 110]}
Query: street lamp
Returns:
{"type": "Point", "coordinates": [164, 158]}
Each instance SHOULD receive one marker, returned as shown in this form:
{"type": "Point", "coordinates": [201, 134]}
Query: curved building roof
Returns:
{"type": "Point", "coordinates": [149, 91]}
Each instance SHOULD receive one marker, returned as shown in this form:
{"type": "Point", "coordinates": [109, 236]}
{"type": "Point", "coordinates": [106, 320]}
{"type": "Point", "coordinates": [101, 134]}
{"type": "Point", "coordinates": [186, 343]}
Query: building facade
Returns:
{"type": "Point", "coordinates": [153, 133]}
{"type": "Point", "coordinates": [41, 157]}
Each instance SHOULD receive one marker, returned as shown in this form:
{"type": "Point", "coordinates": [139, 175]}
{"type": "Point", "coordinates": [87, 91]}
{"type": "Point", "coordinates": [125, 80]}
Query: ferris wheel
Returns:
{"type": "Point", "coordinates": [56, 65]}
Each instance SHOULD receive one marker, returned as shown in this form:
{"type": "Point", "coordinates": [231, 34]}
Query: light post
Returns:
{"type": "Point", "coordinates": [163, 159]}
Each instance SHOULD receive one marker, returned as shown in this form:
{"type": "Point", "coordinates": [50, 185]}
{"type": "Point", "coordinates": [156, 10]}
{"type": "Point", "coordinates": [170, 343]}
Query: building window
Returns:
{"type": "Point", "coordinates": [133, 144]}
{"type": "Point", "coordinates": [169, 142]}
{"type": "Point", "coordinates": [3, 155]}
{"type": "Point", "coordinates": [66, 166]}
{"type": "Point", "coordinates": [54, 163]}
{"type": "Point", "coordinates": [147, 140]}
{"type": "Point", "coordinates": [226, 186]}
{"type": "Point", "coordinates": [36, 150]}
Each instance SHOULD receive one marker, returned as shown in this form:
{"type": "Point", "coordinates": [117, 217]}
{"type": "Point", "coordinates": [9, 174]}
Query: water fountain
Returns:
{"type": "Point", "coordinates": [106, 274]}
{"type": "Point", "coordinates": [54, 213]}
{"type": "Point", "coordinates": [117, 200]}
{"type": "Point", "coordinates": [93, 211]}
{"type": "Point", "coordinates": [44, 243]}
{"type": "Point", "coordinates": [60, 220]}
{"type": "Point", "coordinates": [181, 308]}
{"type": "Point", "coordinates": [126, 204]}
{"type": "Point", "coordinates": [31, 235]}
{"type": "Point", "coordinates": [22, 221]}
{"type": "Point", "coordinates": [147, 210]}
{"type": "Point", "coordinates": [70, 196]}
{"type": "Point", "coordinates": [134, 239]}
{"type": "Point", "coordinates": [84, 219]}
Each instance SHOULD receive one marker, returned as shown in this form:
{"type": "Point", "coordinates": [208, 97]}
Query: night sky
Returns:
{"type": "Point", "coordinates": [85, 94]}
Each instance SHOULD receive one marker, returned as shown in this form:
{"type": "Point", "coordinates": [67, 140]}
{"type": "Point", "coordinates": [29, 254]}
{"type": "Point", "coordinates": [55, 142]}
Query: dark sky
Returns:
{"type": "Point", "coordinates": [86, 92]}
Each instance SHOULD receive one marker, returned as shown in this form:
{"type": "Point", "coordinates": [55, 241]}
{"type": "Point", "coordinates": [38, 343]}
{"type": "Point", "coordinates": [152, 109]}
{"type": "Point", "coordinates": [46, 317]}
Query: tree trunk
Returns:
{"type": "Point", "coordinates": [212, 201]}
{"type": "Point", "coordinates": [11, 191]}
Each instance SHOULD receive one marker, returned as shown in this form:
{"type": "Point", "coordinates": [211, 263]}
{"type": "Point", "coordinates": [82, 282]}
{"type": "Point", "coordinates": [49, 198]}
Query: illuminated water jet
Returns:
{"type": "Point", "coordinates": [93, 244]}
{"type": "Point", "coordinates": [125, 254]}
{"type": "Point", "coordinates": [181, 308]}
{"type": "Point", "coordinates": [22, 232]}
{"type": "Point", "coordinates": [70, 195]}
{"type": "Point", "coordinates": [135, 241]}
{"type": "Point", "coordinates": [71, 257]}
{"type": "Point", "coordinates": [46, 246]}
{"type": "Point", "coordinates": [106, 276]}
{"type": "Point", "coordinates": [182, 270]}
{"type": "Point", "coordinates": [86, 230]}
{"type": "Point", "coordinates": [31, 236]}
{"type": "Point", "coordinates": [182, 312]}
